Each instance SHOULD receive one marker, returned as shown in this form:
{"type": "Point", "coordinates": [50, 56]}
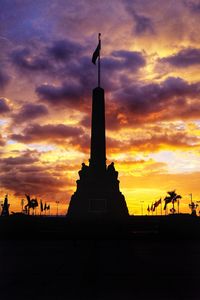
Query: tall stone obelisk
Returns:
{"type": "Point", "coordinates": [98, 138]}
{"type": "Point", "coordinates": [98, 194]}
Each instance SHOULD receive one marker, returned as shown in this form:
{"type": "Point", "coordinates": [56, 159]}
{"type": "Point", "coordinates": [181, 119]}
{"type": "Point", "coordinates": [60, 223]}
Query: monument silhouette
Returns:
{"type": "Point", "coordinates": [5, 207]}
{"type": "Point", "coordinates": [98, 194]}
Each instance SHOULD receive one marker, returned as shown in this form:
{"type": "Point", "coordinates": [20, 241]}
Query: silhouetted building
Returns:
{"type": "Point", "coordinates": [98, 194]}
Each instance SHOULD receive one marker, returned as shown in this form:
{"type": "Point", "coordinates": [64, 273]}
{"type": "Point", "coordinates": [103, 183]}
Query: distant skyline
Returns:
{"type": "Point", "coordinates": [150, 73]}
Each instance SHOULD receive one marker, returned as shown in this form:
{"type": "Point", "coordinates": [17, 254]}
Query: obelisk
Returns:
{"type": "Point", "coordinates": [97, 194]}
{"type": "Point", "coordinates": [98, 138]}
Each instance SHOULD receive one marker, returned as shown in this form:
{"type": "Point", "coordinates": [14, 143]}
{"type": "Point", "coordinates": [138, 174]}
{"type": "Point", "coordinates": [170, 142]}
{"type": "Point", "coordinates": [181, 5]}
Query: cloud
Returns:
{"type": "Point", "coordinates": [82, 78]}
{"type": "Point", "coordinates": [167, 141]}
{"type": "Point", "coordinates": [29, 112]}
{"type": "Point", "coordinates": [194, 6]}
{"type": "Point", "coordinates": [4, 107]}
{"type": "Point", "coordinates": [124, 60]}
{"type": "Point", "coordinates": [26, 60]}
{"type": "Point", "coordinates": [4, 79]}
{"type": "Point", "coordinates": [142, 23]}
{"type": "Point", "coordinates": [26, 173]}
{"type": "Point", "coordinates": [2, 141]}
{"type": "Point", "coordinates": [152, 138]}
{"type": "Point", "coordinates": [66, 94]}
{"type": "Point", "coordinates": [36, 181]}
{"type": "Point", "coordinates": [63, 50]}
{"type": "Point", "coordinates": [184, 58]}
{"type": "Point", "coordinates": [27, 158]}
{"type": "Point", "coordinates": [56, 134]}
{"type": "Point", "coordinates": [171, 99]}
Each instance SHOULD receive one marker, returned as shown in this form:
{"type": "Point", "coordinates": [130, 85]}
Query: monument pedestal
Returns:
{"type": "Point", "coordinates": [98, 195]}
{"type": "Point", "coordinates": [97, 198]}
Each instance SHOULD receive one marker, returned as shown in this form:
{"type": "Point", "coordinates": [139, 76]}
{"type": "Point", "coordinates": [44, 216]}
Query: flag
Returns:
{"type": "Point", "coordinates": [157, 203]}
{"type": "Point", "coordinates": [96, 52]}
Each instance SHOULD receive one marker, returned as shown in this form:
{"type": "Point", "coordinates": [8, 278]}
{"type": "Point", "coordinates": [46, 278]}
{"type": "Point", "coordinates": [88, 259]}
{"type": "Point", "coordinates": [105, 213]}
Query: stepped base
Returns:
{"type": "Point", "coordinates": [98, 198]}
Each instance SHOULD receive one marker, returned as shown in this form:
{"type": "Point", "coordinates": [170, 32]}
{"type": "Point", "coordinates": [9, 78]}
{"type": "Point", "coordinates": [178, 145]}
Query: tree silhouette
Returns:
{"type": "Point", "coordinates": [172, 197]}
{"type": "Point", "coordinates": [32, 203]}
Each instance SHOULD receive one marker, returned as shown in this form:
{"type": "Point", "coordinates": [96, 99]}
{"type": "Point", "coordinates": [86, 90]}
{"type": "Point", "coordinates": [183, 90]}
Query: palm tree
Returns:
{"type": "Point", "coordinates": [172, 197]}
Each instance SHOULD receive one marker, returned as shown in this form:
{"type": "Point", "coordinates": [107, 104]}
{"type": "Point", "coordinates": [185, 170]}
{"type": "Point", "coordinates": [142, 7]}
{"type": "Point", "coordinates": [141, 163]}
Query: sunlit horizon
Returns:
{"type": "Point", "coordinates": [150, 72]}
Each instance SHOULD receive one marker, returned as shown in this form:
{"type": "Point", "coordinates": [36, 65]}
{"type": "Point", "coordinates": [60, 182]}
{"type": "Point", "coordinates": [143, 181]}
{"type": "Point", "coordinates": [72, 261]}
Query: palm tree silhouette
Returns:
{"type": "Point", "coordinates": [32, 203]}
{"type": "Point", "coordinates": [172, 197]}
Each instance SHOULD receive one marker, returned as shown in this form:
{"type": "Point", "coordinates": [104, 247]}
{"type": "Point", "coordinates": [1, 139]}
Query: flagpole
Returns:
{"type": "Point", "coordinates": [99, 60]}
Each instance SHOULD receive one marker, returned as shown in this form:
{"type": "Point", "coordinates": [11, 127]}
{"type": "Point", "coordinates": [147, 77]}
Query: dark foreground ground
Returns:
{"type": "Point", "coordinates": [149, 259]}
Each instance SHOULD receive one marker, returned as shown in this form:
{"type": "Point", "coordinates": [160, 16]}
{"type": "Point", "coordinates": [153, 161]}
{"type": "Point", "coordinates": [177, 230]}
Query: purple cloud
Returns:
{"type": "Point", "coordinates": [184, 58]}
{"type": "Point", "coordinates": [155, 97]}
{"type": "Point", "coordinates": [54, 133]}
{"type": "Point", "coordinates": [124, 60]}
{"type": "Point", "coordinates": [27, 158]}
{"type": "Point", "coordinates": [30, 111]}
{"type": "Point", "coordinates": [142, 23]}
{"type": "Point", "coordinates": [65, 49]}
{"type": "Point", "coordinates": [26, 60]}
{"type": "Point", "coordinates": [4, 108]}
{"type": "Point", "coordinates": [4, 79]}
{"type": "Point", "coordinates": [58, 95]}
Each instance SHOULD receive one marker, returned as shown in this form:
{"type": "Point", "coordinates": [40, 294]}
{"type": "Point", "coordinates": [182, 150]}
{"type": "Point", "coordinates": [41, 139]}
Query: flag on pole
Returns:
{"type": "Point", "coordinates": [157, 203]}
{"type": "Point", "coordinates": [96, 53]}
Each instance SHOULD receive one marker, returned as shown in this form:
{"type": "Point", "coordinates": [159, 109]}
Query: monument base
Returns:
{"type": "Point", "coordinates": [97, 196]}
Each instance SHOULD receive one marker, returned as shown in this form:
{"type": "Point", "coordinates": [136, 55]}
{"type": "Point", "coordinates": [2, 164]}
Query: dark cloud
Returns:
{"type": "Point", "coordinates": [4, 79]}
{"type": "Point", "coordinates": [25, 59]}
{"type": "Point", "coordinates": [36, 181]}
{"type": "Point", "coordinates": [143, 24]}
{"type": "Point", "coordinates": [137, 104]}
{"type": "Point", "coordinates": [4, 107]}
{"type": "Point", "coordinates": [27, 158]}
{"type": "Point", "coordinates": [65, 49]}
{"type": "Point", "coordinates": [124, 60]}
{"type": "Point", "coordinates": [29, 112]}
{"type": "Point", "coordinates": [25, 173]}
{"type": "Point", "coordinates": [53, 133]}
{"type": "Point", "coordinates": [167, 100]}
{"type": "Point", "coordinates": [194, 6]}
{"type": "Point", "coordinates": [83, 77]}
{"type": "Point", "coordinates": [58, 95]}
{"type": "Point", "coordinates": [184, 58]}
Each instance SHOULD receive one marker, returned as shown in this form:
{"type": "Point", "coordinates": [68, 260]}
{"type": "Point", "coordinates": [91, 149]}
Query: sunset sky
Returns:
{"type": "Point", "coordinates": [151, 76]}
